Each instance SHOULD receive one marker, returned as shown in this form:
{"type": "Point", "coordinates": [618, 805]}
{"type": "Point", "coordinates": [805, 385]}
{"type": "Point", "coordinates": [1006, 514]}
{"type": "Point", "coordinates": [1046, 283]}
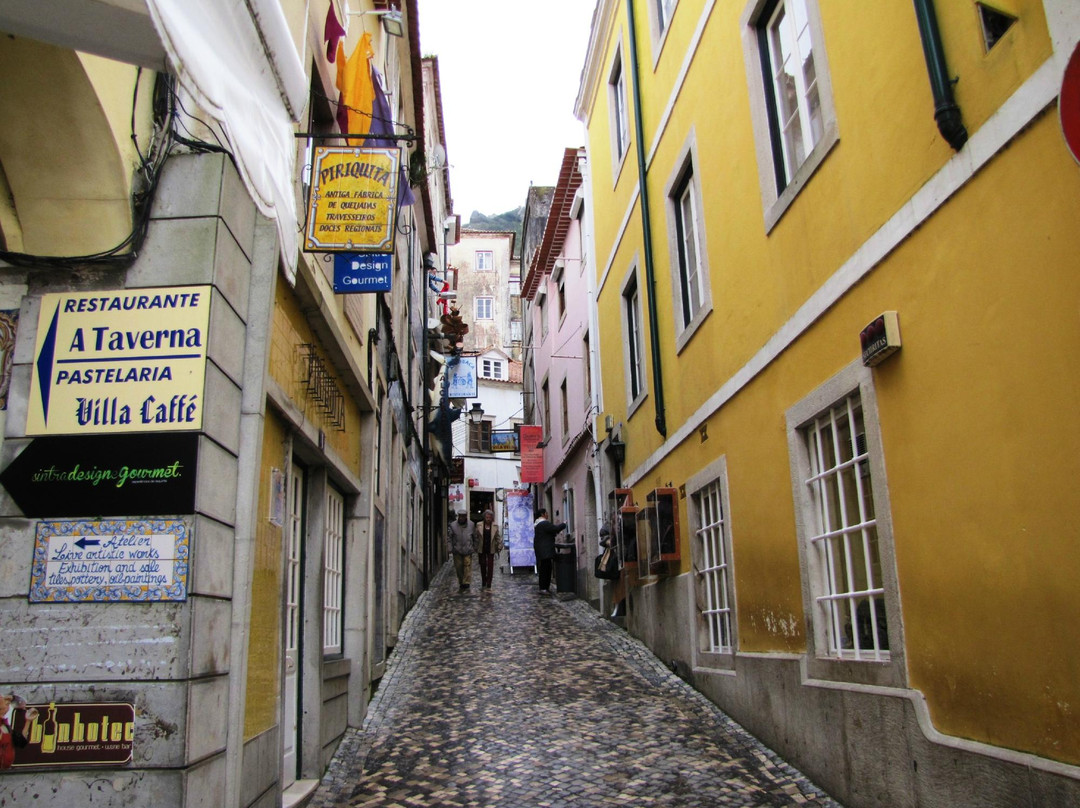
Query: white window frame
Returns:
{"type": "Point", "coordinates": [828, 659]}
{"type": "Point", "coordinates": [619, 106]}
{"type": "Point", "coordinates": [633, 340]}
{"type": "Point", "coordinates": [492, 369]}
{"type": "Point", "coordinates": [484, 308]}
{"type": "Point", "coordinates": [713, 593]}
{"type": "Point", "coordinates": [485, 261]}
{"type": "Point", "coordinates": [684, 185]}
{"type": "Point", "coordinates": [333, 573]}
{"type": "Point", "coordinates": [779, 186]}
{"type": "Point", "coordinates": [660, 14]}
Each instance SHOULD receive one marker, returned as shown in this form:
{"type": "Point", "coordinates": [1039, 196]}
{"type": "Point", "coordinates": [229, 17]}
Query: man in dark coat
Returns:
{"type": "Point", "coordinates": [544, 533]}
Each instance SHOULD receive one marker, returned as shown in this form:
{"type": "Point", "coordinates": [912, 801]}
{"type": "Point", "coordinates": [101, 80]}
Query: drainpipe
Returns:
{"type": "Point", "coordinates": [946, 112]}
{"type": "Point", "coordinates": [646, 227]}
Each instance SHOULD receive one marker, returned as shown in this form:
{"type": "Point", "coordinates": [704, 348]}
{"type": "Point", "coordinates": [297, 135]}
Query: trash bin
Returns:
{"type": "Point", "coordinates": [565, 567]}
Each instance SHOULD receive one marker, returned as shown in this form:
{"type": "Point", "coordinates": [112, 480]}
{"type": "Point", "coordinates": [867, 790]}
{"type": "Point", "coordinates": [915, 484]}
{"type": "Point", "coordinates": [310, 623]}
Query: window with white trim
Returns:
{"type": "Point", "coordinates": [485, 308]}
{"type": "Point", "coordinates": [492, 369]}
{"type": "Point", "coordinates": [664, 9]}
{"type": "Point", "coordinates": [712, 569]}
{"type": "Point", "coordinates": [485, 260]}
{"type": "Point", "coordinates": [633, 340]}
{"type": "Point", "coordinates": [849, 571]}
{"type": "Point", "coordinates": [333, 572]}
{"type": "Point", "coordinates": [689, 256]}
{"type": "Point", "coordinates": [793, 115]}
{"type": "Point", "coordinates": [620, 109]}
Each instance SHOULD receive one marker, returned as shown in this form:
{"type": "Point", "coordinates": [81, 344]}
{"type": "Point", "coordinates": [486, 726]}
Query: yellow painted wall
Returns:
{"type": "Point", "coordinates": [288, 368]}
{"type": "Point", "coordinates": [978, 411]}
{"type": "Point", "coordinates": [265, 638]}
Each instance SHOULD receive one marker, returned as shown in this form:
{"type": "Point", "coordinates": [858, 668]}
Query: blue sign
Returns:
{"type": "Point", "coordinates": [362, 272]}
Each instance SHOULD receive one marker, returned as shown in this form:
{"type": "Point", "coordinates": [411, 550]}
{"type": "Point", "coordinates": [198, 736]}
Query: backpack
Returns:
{"type": "Point", "coordinates": [607, 565]}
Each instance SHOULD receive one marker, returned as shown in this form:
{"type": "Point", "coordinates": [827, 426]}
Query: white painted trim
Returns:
{"type": "Point", "coordinates": [1033, 96]}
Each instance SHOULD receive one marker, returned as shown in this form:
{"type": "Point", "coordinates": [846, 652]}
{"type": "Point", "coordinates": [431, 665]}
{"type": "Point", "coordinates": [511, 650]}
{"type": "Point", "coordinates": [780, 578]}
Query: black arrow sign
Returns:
{"type": "Point", "coordinates": [105, 475]}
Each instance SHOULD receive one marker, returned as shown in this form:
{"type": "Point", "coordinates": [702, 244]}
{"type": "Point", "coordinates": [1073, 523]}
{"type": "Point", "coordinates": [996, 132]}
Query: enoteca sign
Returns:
{"type": "Point", "coordinates": [132, 360]}
{"type": "Point", "coordinates": [354, 199]}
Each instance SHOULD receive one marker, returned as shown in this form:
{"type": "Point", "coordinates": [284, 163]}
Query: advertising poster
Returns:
{"type": "Point", "coordinates": [519, 528]}
{"type": "Point", "coordinates": [125, 361]}
{"type": "Point", "coordinates": [109, 561]}
{"type": "Point", "coordinates": [532, 458]}
{"type": "Point", "coordinates": [354, 199]}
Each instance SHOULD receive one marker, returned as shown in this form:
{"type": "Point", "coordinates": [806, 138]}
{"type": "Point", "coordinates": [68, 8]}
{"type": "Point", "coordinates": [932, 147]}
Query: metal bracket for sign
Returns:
{"type": "Point", "coordinates": [409, 138]}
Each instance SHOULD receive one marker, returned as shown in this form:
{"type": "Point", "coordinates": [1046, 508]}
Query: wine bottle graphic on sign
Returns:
{"type": "Point", "coordinates": [48, 731]}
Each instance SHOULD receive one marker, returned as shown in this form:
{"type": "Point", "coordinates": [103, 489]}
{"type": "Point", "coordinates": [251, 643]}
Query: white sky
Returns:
{"type": "Point", "coordinates": [509, 72]}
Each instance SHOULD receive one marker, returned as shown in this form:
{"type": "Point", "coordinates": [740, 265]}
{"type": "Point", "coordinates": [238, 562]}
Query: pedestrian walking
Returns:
{"type": "Point", "coordinates": [459, 541]}
{"type": "Point", "coordinates": [488, 542]}
{"type": "Point", "coordinates": [544, 533]}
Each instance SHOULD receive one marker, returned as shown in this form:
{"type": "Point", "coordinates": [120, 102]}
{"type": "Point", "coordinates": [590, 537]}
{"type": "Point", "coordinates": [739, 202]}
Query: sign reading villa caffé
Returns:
{"type": "Point", "coordinates": [132, 360]}
{"type": "Point", "coordinates": [354, 199]}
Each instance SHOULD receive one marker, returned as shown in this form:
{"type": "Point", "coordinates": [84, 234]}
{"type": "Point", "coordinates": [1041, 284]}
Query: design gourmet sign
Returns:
{"type": "Point", "coordinates": [109, 561]}
{"type": "Point", "coordinates": [354, 199]}
{"type": "Point", "coordinates": [124, 361]}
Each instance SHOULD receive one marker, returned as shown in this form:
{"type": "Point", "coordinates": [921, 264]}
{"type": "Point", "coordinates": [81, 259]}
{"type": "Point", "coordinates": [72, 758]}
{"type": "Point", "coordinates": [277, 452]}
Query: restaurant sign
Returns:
{"type": "Point", "coordinates": [110, 561]}
{"type": "Point", "coordinates": [132, 360]}
{"type": "Point", "coordinates": [354, 199]}
{"type": "Point", "coordinates": [78, 735]}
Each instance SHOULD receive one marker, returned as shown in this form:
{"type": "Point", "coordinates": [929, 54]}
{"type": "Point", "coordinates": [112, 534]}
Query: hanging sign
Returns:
{"type": "Point", "coordinates": [78, 735]}
{"type": "Point", "coordinates": [362, 272]}
{"type": "Point", "coordinates": [105, 475]}
{"type": "Point", "coordinates": [354, 199]}
{"type": "Point", "coordinates": [123, 361]}
{"type": "Point", "coordinates": [461, 378]}
{"type": "Point", "coordinates": [532, 457]}
{"type": "Point", "coordinates": [1069, 103]}
{"type": "Point", "coordinates": [109, 561]}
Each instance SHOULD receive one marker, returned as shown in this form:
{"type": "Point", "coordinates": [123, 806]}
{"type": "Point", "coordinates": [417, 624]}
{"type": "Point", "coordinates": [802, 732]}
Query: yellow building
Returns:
{"type": "Point", "coordinates": [837, 291]}
{"type": "Point", "coordinates": [217, 496]}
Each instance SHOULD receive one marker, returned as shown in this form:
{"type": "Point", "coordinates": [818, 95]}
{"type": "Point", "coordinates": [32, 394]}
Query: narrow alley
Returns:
{"type": "Point", "coordinates": [508, 698]}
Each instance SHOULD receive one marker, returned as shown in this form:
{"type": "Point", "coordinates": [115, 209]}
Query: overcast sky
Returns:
{"type": "Point", "coordinates": [509, 72]}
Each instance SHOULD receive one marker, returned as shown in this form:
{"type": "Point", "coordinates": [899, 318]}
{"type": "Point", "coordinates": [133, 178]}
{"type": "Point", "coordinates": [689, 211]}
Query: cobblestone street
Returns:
{"type": "Point", "coordinates": [509, 699]}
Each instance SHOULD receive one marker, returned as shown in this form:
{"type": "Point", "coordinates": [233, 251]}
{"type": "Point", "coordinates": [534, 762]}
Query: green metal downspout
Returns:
{"type": "Point", "coordinates": [646, 227]}
{"type": "Point", "coordinates": [946, 112]}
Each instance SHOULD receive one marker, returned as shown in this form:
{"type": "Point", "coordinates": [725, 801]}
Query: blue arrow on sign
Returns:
{"type": "Point", "coordinates": [84, 542]}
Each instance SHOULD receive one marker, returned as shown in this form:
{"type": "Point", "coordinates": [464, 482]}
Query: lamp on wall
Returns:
{"type": "Point", "coordinates": [391, 20]}
{"type": "Point", "coordinates": [617, 450]}
{"type": "Point", "coordinates": [476, 413]}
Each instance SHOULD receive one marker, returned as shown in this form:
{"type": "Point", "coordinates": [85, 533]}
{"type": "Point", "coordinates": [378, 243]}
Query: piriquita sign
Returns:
{"type": "Point", "coordinates": [354, 199]}
{"type": "Point", "coordinates": [132, 360]}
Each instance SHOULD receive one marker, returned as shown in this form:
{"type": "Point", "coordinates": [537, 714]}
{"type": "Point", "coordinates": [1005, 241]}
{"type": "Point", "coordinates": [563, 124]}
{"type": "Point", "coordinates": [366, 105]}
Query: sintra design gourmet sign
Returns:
{"type": "Point", "coordinates": [354, 199]}
{"type": "Point", "coordinates": [132, 360]}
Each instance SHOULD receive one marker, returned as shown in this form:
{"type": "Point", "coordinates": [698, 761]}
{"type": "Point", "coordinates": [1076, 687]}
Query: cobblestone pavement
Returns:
{"type": "Point", "coordinates": [507, 698]}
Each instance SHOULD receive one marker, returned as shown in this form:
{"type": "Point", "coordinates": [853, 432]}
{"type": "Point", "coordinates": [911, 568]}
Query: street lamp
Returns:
{"type": "Point", "coordinates": [476, 413]}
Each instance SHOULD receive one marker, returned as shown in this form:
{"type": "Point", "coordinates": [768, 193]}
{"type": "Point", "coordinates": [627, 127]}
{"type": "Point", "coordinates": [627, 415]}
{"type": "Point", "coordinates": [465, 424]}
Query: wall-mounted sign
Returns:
{"type": "Point", "coordinates": [105, 475]}
{"type": "Point", "coordinates": [1069, 103]}
{"type": "Point", "coordinates": [354, 199]}
{"type": "Point", "coordinates": [109, 561]}
{"type": "Point", "coordinates": [880, 339]}
{"type": "Point", "coordinates": [125, 361]}
{"type": "Point", "coordinates": [461, 378]}
{"type": "Point", "coordinates": [78, 735]}
{"type": "Point", "coordinates": [356, 273]}
{"type": "Point", "coordinates": [532, 457]}
{"type": "Point", "coordinates": [504, 440]}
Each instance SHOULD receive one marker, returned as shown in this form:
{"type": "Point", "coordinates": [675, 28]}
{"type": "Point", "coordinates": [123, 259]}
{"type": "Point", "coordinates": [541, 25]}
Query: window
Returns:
{"type": "Point", "coordinates": [845, 542]}
{"type": "Point", "coordinates": [545, 403]}
{"type": "Point", "coordinates": [485, 308]}
{"type": "Point", "coordinates": [542, 314]}
{"type": "Point", "coordinates": [793, 116]}
{"type": "Point", "coordinates": [333, 572]}
{"type": "Point", "coordinates": [620, 119]}
{"type": "Point", "coordinates": [492, 369]}
{"type": "Point", "coordinates": [560, 288]}
{"type": "Point", "coordinates": [480, 437]}
{"type": "Point", "coordinates": [633, 340]}
{"type": "Point", "coordinates": [710, 549]}
{"type": "Point", "coordinates": [485, 260]}
{"type": "Point", "coordinates": [565, 407]}
{"type": "Point", "coordinates": [515, 330]}
{"type": "Point", "coordinates": [686, 234]}
{"type": "Point", "coordinates": [664, 10]}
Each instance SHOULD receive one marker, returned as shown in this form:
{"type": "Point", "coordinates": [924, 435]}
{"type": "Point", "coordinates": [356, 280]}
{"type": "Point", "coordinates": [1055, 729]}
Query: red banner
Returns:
{"type": "Point", "coordinates": [532, 458]}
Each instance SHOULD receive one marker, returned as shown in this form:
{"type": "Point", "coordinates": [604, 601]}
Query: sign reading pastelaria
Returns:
{"type": "Point", "coordinates": [132, 360]}
{"type": "Point", "coordinates": [110, 561]}
{"type": "Point", "coordinates": [354, 199]}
